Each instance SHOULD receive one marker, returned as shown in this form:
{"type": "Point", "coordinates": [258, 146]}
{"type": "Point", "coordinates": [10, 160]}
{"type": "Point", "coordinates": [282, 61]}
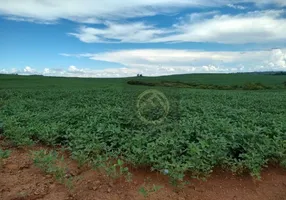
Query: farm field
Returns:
{"type": "Point", "coordinates": [228, 137]}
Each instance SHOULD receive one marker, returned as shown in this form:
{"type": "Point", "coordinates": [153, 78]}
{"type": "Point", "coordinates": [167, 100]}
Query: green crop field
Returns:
{"type": "Point", "coordinates": [97, 120]}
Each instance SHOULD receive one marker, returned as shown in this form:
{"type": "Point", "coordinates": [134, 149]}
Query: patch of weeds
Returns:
{"type": "Point", "coordinates": [51, 163]}
{"type": "Point", "coordinates": [81, 158]}
{"type": "Point", "coordinates": [118, 170]}
{"type": "Point", "coordinates": [3, 155]}
{"type": "Point", "coordinates": [283, 163]}
{"type": "Point", "coordinates": [283, 154]}
{"type": "Point", "coordinates": [113, 170]}
{"type": "Point", "coordinates": [176, 178]}
{"type": "Point", "coordinates": [1, 128]}
{"type": "Point", "coordinates": [22, 195]}
{"type": "Point", "coordinates": [147, 188]}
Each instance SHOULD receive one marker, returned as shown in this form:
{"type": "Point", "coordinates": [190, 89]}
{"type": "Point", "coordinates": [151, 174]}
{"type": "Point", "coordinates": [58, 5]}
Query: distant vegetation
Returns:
{"type": "Point", "coordinates": [179, 84]}
{"type": "Point", "coordinates": [279, 73]}
{"type": "Point", "coordinates": [205, 80]}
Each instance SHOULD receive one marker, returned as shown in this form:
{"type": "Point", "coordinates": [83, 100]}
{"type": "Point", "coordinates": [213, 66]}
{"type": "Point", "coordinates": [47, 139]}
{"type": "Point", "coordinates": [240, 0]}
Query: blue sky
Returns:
{"type": "Point", "coordinates": [111, 38]}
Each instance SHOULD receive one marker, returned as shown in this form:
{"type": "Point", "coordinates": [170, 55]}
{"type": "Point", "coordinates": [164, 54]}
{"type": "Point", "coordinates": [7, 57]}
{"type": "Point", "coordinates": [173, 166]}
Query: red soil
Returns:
{"type": "Point", "coordinates": [21, 180]}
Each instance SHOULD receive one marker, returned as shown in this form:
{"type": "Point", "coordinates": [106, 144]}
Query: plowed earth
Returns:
{"type": "Point", "coordinates": [21, 180]}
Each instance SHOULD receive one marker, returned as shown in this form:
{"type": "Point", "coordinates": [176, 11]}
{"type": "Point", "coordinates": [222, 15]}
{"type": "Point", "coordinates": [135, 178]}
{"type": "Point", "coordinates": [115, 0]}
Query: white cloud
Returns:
{"type": "Point", "coordinates": [29, 70]}
{"type": "Point", "coordinates": [239, 7]}
{"type": "Point", "coordinates": [115, 32]}
{"type": "Point", "coordinates": [277, 58]}
{"type": "Point", "coordinates": [171, 58]}
{"type": "Point", "coordinates": [3, 71]}
{"type": "Point", "coordinates": [74, 71]}
{"type": "Point", "coordinates": [94, 11]}
{"type": "Point", "coordinates": [14, 70]}
{"type": "Point", "coordinates": [32, 20]}
{"type": "Point", "coordinates": [198, 16]}
{"type": "Point", "coordinates": [252, 27]}
{"type": "Point", "coordinates": [131, 71]}
{"type": "Point", "coordinates": [279, 3]}
{"type": "Point", "coordinates": [153, 62]}
{"type": "Point", "coordinates": [156, 62]}
{"type": "Point", "coordinates": [25, 71]}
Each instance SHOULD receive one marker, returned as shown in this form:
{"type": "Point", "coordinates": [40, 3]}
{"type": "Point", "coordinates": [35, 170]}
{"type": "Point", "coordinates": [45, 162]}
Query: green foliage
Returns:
{"type": "Point", "coordinates": [51, 163]}
{"type": "Point", "coordinates": [17, 136]}
{"type": "Point", "coordinates": [147, 188]}
{"type": "Point", "coordinates": [3, 155]}
{"type": "Point", "coordinates": [179, 84]}
{"type": "Point", "coordinates": [136, 82]}
{"type": "Point", "coordinates": [40, 82]}
{"type": "Point", "coordinates": [96, 120]}
{"type": "Point", "coordinates": [1, 126]}
{"type": "Point", "coordinates": [254, 86]}
{"type": "Point", "coordinates": [113, 170]}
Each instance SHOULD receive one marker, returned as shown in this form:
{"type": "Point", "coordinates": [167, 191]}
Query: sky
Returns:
{"type": "Point", "coordinates": [112, 38]}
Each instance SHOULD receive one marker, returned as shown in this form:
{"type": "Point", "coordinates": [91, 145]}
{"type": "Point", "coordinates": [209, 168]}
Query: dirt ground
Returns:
{"type": "Point", "coordinates": [21, 180]}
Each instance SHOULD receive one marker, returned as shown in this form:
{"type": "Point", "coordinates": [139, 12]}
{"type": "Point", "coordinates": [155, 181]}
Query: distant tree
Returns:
{"type": "Point", "coordinates": [280, 73]}
{"type": "Point", "coordinates": [141, 75]}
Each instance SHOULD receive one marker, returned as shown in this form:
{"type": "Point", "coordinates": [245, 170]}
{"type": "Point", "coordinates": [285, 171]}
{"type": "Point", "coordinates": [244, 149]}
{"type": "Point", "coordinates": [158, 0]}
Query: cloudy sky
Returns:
{"type": "Point", "coordinates": [111, 38]}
